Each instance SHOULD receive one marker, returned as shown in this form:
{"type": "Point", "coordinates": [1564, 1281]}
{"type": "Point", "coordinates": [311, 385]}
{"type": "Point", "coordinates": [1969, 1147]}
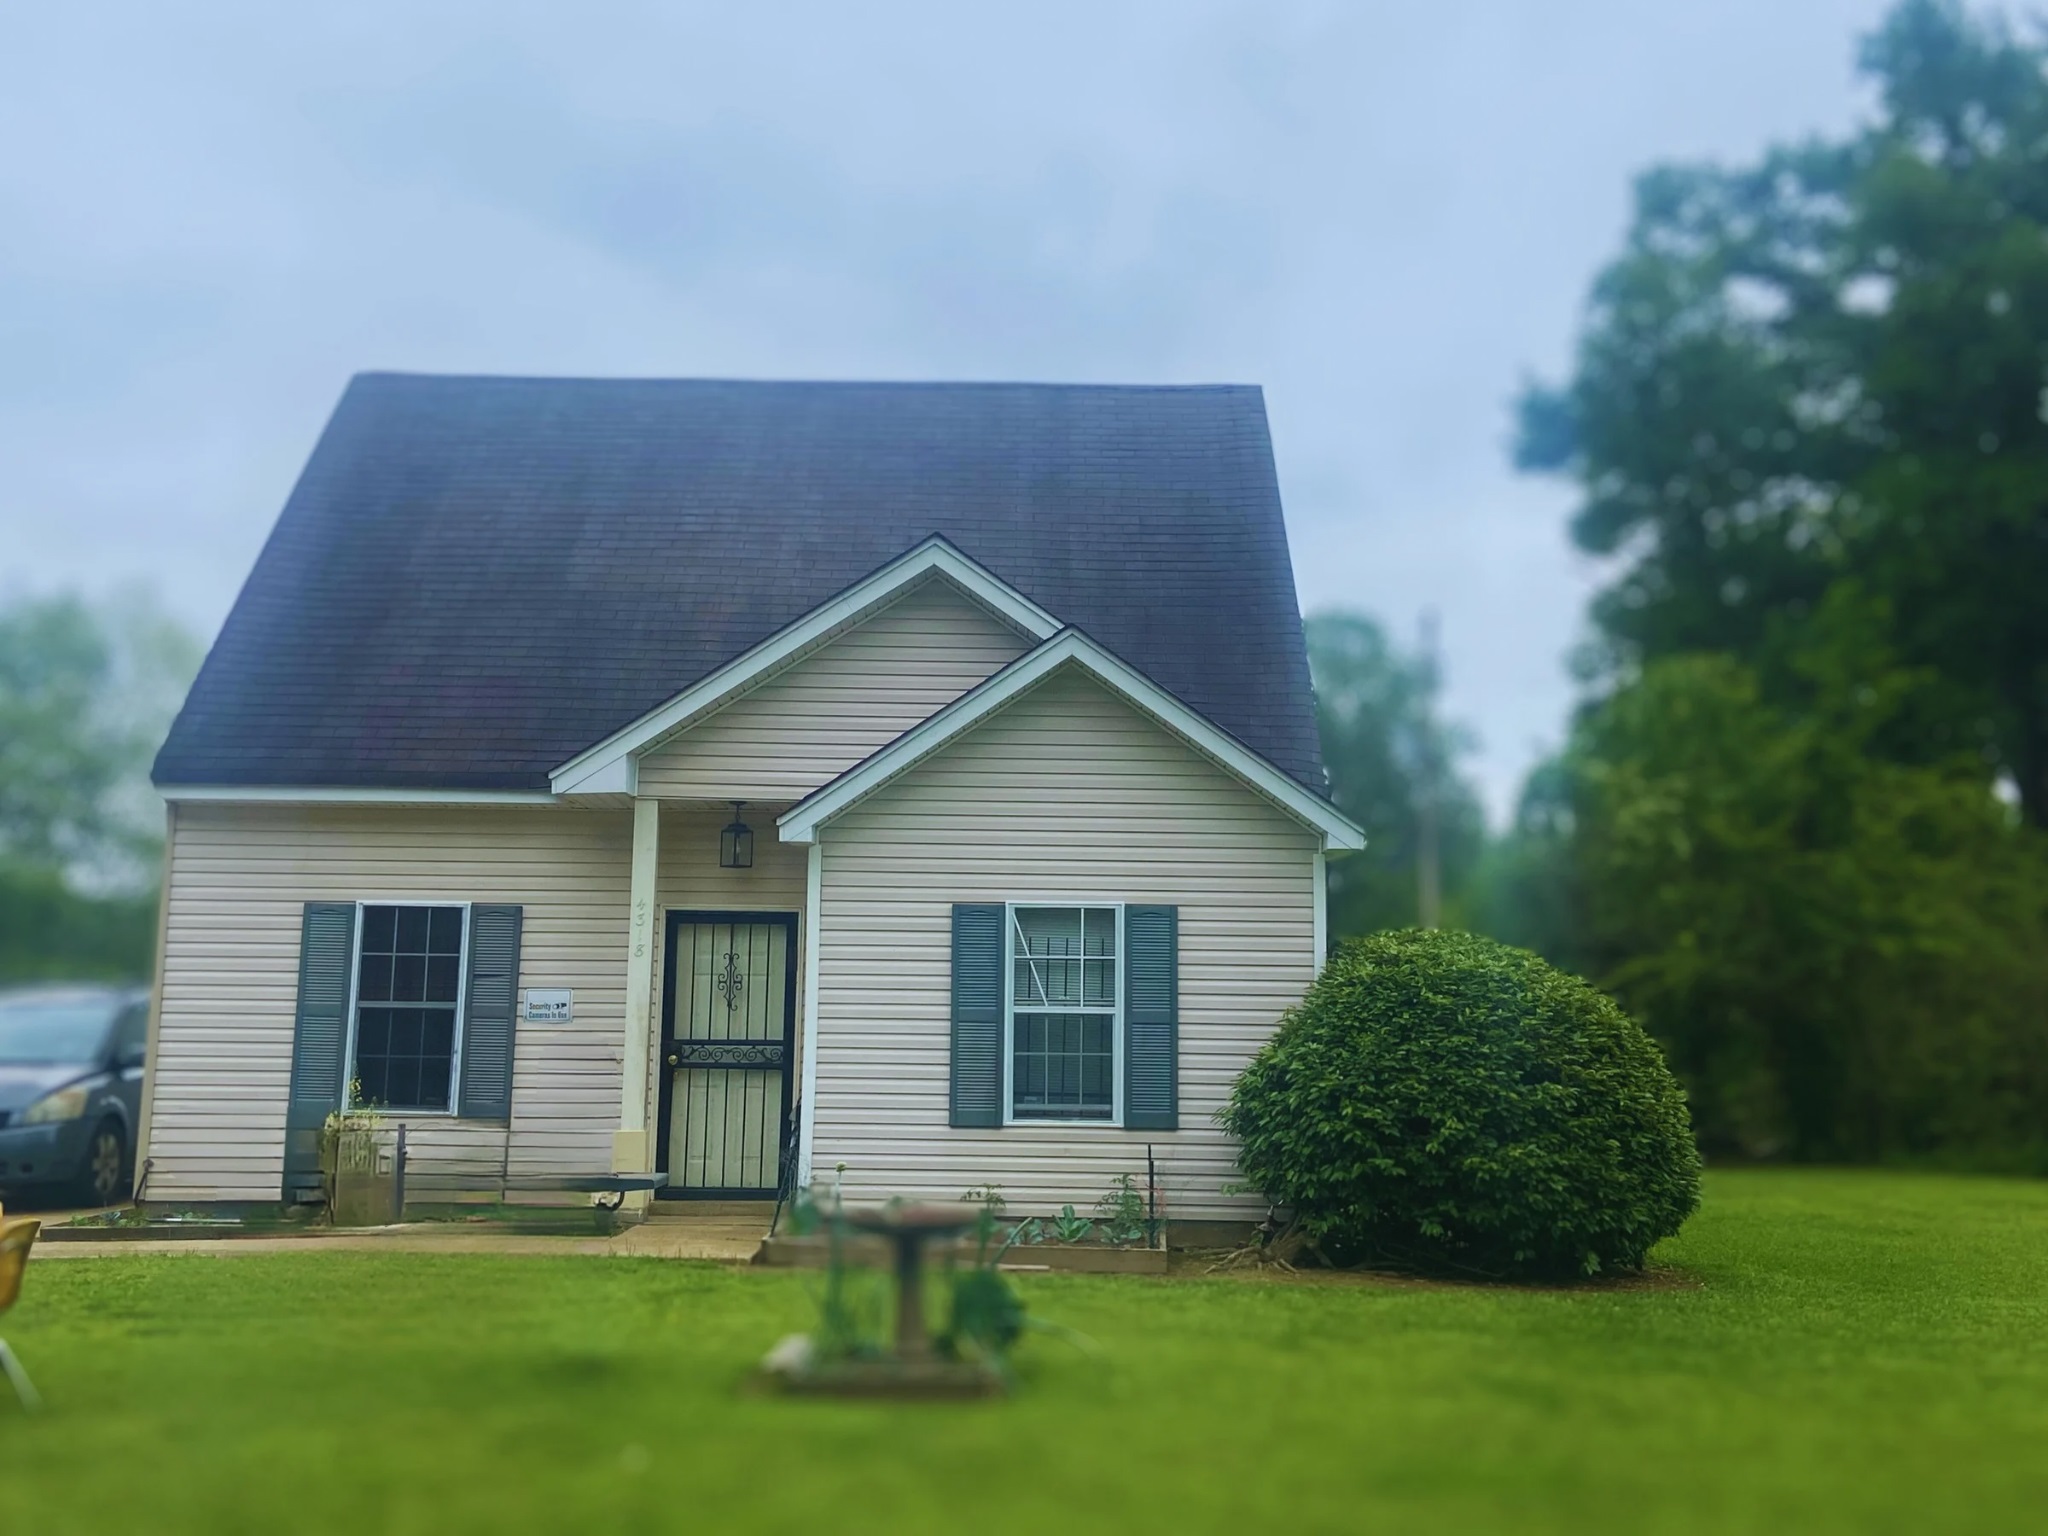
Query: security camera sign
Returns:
{"type": "Point", "coordinates": [550, 1005]}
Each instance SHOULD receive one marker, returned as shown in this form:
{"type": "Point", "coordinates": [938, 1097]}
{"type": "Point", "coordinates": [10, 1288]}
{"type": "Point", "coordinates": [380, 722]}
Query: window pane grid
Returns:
{"type": "Point", "coordinates": [1064, 1066]}
{"type": "Point", "coordinates": [408, 983]}
{"type": "Point", "coordinates": [1064, 1013]}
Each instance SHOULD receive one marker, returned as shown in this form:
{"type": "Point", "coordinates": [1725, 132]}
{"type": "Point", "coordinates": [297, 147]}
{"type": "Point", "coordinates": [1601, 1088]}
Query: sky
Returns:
{"type": "Point", "coordinates": [211, 215]}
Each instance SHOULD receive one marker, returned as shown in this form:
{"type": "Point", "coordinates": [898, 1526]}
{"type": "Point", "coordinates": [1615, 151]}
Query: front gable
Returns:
{"type": "Point", "coordinates": [809, 723]}
{"type": "Point", "coordinates": [612, 766]}
{"type": "Point", "coordinates": [1068, 653]}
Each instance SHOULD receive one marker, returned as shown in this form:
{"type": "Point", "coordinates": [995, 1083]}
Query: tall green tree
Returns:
{"type": "Point", "coordinates": [1394, 766]}
{"type": "Point", "coordinates": [1835, 362]}
{"type": "Point", "coordinates": [1809, 423]}
{"type": "Point", "coordinates": [1846, 955]}
{"type": "Point", "coordinates": [86, 693]}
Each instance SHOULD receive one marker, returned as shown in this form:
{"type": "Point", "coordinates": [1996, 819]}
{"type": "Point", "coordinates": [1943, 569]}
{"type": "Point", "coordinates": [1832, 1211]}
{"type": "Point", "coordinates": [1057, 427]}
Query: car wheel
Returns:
{"type": "Point", "coordinates": [103, 1178]}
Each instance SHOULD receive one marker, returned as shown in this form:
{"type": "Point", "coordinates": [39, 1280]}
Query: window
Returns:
{"type": "Point", "coordinates": [131, 1036]}
{"type": "Point", "coordinates": [1064, 1021]}
{"type": "Point", "coordinates": [409, 973]}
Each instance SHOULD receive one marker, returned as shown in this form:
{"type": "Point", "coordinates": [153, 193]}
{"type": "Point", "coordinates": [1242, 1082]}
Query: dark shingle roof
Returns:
{"type": "Point", "coordinates": [477, 578]}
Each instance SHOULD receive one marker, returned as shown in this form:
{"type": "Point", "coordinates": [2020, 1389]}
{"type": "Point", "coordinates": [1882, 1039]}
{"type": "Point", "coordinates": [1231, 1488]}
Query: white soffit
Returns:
{"type": "Point", "coordinates": [801, 822]}
{"type": "Point", "coordinates": [612, 765]}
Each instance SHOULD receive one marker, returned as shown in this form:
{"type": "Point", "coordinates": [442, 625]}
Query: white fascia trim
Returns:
{"type": "Point", "coordinates": [611, 766]}
{"type": "Point", "coordinates": [800, 823]}
{"type": "Point", "coordinates": [294, 795]}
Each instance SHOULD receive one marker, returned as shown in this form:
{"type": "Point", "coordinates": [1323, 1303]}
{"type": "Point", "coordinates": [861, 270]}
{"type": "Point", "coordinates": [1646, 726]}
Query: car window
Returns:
{"type": "Point", "coordinates": [131, 1035]}
{"type": "Point", "coordinates": [36, 1030]}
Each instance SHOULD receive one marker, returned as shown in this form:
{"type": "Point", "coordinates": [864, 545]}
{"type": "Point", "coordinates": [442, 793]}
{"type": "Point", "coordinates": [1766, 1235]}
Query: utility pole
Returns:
{"type": "Point", "coordinates": [1429, 892]}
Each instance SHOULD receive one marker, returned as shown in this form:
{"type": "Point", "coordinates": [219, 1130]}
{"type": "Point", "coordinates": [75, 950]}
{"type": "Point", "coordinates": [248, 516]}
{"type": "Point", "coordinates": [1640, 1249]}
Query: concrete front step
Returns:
{"type": "Point", "coordinates": [701, 1211]}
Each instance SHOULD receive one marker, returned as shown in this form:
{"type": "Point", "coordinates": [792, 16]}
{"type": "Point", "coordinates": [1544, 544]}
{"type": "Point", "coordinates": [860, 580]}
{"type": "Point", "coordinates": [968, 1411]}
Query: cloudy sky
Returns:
{"type": "Point", "coordinates": [1387, 214]}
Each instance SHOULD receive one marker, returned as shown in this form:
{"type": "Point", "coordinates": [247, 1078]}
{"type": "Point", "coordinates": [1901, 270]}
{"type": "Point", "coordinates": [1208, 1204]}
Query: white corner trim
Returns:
{"type": "Point", "coordinates": [314, 795]}
{"type": "Point", "coordinates": [807, 1104]}
{"type": "Point", "coordinates": [1322, 899]}
{"type": "Point", "coordinates": [611, 765]}
{"type": "Point", "coordinates": [1070, 647]}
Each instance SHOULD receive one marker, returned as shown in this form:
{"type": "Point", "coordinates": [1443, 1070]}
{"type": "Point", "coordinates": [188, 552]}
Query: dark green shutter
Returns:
{"type": "Point", "coordinates": [1152, 1018]}
{"type": "Point", "coordinates": [490, 1014]}
{"type": "Point", "coordinates": [327, 939]}
{"type": "Point", "coordinates": [977, 1097]}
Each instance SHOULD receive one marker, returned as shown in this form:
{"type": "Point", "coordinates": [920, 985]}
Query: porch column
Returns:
{"type": "Point", "coordinates": [629, 1142]}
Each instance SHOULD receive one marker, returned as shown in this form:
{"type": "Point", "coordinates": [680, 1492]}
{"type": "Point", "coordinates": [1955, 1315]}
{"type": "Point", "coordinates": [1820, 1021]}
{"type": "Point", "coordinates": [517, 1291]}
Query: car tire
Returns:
{"type": "Point", "coordinates": [103, 1171]}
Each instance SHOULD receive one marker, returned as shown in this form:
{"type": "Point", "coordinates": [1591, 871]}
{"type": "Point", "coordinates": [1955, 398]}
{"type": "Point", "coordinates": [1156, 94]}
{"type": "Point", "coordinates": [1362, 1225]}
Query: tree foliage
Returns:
{"type": "Point", "coordinates": [1444, 1100]}
{"type": "Point", "coordinates": [1386, 747]}
{"type": "Point", "coordinates": [1846, 954]}
{"type": "Point", "coordinates": [86, 693]}
{"type": "Point", "coordinates": [1809, 421]}
{"type": "Point", "coordinates": [1835, 362]}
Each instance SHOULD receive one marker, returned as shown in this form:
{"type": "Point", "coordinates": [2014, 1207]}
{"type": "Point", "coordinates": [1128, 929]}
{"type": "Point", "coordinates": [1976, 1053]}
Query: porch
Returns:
{"type": "Point", "coordinates": [717, 973]}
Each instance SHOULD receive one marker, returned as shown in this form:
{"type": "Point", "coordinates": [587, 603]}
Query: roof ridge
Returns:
{"type": "Point", "coordinates": [732, 381]}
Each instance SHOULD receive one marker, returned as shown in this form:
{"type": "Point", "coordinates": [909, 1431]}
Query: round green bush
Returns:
{"type": "Point", "coordinates": [1446, 1102]}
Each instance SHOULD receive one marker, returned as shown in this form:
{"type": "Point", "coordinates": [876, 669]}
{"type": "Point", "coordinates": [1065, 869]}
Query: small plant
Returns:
{"type": "Point", "coordinates": [987, 1315]}
{"type": "Point", "coordinates": [1122, 1214]}
{"type": "Point", "coordinates": [988, 1196]}
{"type": "Point", "coordinates": [1070, 1227]}
{"type": "Point", "coordinates": [851, 1306]}
{"type": "Point", "coordinates": [348, 1137]}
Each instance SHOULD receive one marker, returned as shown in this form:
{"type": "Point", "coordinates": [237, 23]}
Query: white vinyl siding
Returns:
{"type": "Point", "coordinates": [238, 878]}
{"type": "Point", "coordinates": [809, 724]}
{"type": "Point", "coordinates": [1067, 795]}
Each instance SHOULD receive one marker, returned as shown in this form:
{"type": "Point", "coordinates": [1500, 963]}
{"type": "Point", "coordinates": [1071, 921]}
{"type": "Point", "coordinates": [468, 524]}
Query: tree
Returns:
{"type": "Point", "coordinates": [1809, 423]}
{"type": "Point", "coordinates": [1842, 953]}
{"type": "Point", "coordinates": [1834, 364]}
{"type": "Point", "coordinates": [1393, 765]}
{"type": "Point", "coordinates": [86, 694]}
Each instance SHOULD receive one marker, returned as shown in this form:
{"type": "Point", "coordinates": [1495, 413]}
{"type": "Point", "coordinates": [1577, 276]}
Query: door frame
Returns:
{"type": "Point", "coordinates": [685, 917]}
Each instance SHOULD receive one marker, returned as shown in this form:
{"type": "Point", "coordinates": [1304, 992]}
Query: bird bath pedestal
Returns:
{"type": "Point", "coordinates": [915, 1369]}
{"type": "Point", "coordinates": [908, 1227]}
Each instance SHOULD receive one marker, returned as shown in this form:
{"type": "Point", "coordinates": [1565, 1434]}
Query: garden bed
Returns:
{"type": "Point", "coordinates": [813, 1251]}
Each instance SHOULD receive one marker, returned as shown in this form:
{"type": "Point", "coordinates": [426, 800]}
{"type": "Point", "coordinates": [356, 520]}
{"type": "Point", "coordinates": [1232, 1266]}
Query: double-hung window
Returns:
{"type": "Point", "coordinates": [1063, 1015]}
{"type": "Point", "coordinates": [405, 1042]}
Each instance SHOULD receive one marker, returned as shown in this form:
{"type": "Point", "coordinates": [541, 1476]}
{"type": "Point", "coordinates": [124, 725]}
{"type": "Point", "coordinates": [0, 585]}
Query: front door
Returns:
{"type": "Point", "coordinates": [728, 1038]}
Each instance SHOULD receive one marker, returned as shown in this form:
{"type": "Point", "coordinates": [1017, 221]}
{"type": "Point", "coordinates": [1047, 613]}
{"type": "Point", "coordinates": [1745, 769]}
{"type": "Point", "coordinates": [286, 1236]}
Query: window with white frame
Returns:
{"type": "Point", "coordinates": [1064, 1021]}
{"type": "Point", "coordinates": [405, 1040]}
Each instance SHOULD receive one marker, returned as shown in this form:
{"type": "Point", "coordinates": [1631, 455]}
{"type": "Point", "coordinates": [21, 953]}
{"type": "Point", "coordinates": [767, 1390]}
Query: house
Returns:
{"type": "Point", "coordinates": [911, 784]}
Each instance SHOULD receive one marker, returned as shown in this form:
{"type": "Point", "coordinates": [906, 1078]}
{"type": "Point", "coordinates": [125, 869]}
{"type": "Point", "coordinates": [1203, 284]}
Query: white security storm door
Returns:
{"type": "Point", "coordinates": [729, 1027]}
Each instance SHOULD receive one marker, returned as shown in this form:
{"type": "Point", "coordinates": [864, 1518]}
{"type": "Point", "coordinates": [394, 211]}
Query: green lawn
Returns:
{"type": "Point", "coordinates": [1850, 1351]}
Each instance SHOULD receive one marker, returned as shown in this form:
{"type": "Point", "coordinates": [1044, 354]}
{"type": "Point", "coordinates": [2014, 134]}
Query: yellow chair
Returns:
{"type": "Point", "coordinates": [16, 1238]}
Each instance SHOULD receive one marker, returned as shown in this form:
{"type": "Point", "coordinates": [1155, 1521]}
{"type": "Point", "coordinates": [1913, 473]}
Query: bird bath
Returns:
{"type": "Point", "coordinates": [914, 1368]}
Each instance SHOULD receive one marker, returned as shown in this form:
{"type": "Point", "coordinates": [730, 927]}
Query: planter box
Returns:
{"type": "Point", "coordinates": [366, 1179]}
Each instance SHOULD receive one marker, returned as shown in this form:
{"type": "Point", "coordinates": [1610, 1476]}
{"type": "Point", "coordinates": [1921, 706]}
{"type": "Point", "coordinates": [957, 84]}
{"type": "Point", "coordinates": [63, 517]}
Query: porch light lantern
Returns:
{"type": "Point", "coordinates": [736, 842]}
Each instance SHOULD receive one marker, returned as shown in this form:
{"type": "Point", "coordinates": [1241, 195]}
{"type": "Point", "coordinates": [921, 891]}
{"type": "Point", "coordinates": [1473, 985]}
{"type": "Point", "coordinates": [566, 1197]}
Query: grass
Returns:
{"type": "Point", "coordinates": [1837, 1352]}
